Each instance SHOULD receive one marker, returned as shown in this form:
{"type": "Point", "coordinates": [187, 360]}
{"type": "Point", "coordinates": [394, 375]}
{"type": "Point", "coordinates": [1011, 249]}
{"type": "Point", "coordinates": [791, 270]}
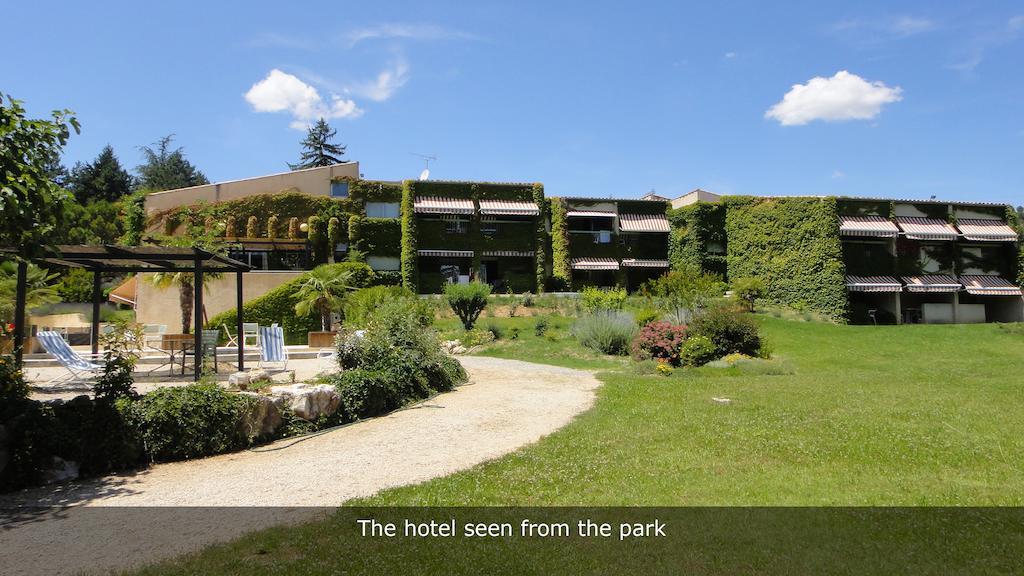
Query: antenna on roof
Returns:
{"type": "Point", "coordinates": [426, 164]}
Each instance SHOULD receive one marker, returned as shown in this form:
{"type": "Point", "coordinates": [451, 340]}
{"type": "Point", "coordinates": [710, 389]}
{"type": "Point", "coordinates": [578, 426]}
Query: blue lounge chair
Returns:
{"type": "Point", "coordinates": [79, 369]}
{"type": "Point", "coordinates": [272, 350]}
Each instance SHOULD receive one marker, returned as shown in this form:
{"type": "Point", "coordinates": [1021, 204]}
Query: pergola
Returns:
{"type": "Point", "coordinates": [134, 259]}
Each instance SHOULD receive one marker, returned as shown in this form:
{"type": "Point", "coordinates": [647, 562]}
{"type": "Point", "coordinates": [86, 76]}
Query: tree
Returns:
{"type": "Point", "coordinates": [749, 290]}
{"type": "Point", "coordinates": [323, 291]}
{"type": "Point", "coordinates": [39, 284]}
{"type": "Point", "coordinates": [101, 179]}
{"type": "Point", "coordinates": [317, 148]}
{"type": "Point", "coordinates": [195, 236]}
{"type": "Point", "coordinates": [167, 169]}
{"type": "Point", "coordinates": [467, 301]}
{"type": "Point", "coordinates": [31, 203]}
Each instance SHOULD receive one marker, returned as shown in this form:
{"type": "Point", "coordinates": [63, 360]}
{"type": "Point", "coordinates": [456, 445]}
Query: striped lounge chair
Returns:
{"type": "Point", "coordinates": [79, 369]}
{"type": "Point", "coordinates": [273, 355]}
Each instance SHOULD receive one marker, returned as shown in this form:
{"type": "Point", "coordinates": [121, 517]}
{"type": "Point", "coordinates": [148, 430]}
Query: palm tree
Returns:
{"type": "Point", "coordinates": [39, 288]}
{"type": "Point", "coordinates": [195, 236]}
{"type": "Point", "coordinates": [322, 292]}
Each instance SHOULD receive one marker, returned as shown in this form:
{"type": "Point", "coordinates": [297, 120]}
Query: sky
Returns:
{"type": "Point", "coordinates": [597, 99]}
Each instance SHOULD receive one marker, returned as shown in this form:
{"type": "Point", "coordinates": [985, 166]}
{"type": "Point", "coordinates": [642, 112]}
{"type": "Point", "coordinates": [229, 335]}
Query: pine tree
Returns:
{"type": "Point", "coordinates": [317, 148]}
{"type": "Point", "coordinates": [101, 179]}
{"type": "Point", "coordinates": [167, 169]}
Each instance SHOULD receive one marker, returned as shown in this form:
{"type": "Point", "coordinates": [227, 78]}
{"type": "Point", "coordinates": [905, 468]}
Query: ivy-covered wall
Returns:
{"type": "Point", "coordinates": [285, 205]}
{"type": "Point", "coordinates": [561, 270]}
{"type": "Point", "coordinates": [793, 245]}
{"type": "Point", "coordinates": [408, 240]}
{"type": "Point", "coordinates": [542, 238]}
{"type": "Point", "coordinates": [698, 237]}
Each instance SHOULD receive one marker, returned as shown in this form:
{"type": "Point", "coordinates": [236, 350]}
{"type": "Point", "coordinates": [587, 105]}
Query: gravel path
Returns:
{"type": "Point", "coordinates": [506, 405]}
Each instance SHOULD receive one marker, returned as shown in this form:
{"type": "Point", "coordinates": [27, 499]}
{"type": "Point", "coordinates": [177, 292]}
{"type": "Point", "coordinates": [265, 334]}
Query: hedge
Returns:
{"type": "Point", "coordinates": [278, 305]}
{"type": "Point", "coordinates": [381, 236]}
{"type": "Point", "coordinates": [793, 245]}
{"type": "Point", "coordinates": [540, 251]}
{"type": "Point", "coordinates": [694, 229]}
{"type": "Point", "coordinates": [285, 204]}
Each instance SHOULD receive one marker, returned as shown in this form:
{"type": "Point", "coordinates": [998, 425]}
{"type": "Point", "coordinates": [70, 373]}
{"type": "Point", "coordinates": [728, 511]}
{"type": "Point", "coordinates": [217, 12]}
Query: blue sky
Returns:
{"type": "Point", "coordinates": [871, 98]}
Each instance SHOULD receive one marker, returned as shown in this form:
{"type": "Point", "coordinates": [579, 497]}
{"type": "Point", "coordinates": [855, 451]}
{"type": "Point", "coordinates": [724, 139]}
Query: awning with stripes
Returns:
{"type": "Point", "coordinates": [932, 283]}
{"type": "Point", "coordinates": [873, 284]}
{"type": "Point", "coordinates": [872, 226]}
{"type": "Point", "coordinates": [446, 253]}
{"type": "Point", "coordinates": [989, 286]}
{"type": "Point", "coordinates": [986, 230]}
{"type": "Point", "coordinates": [509, 208]}
{"type": "Point", "coordinates": [643, 223]}
{"type": "Point", "coordinates": [926, 228]}
{"type": "Point", "coordinates": [639, 263]}
{"type": "Point", "coordinates": [438, 205]}
{"type": "Point", "coordinates": [590, 214]}
{"type": "Point", "coordinates": [595, 264]}
{"type": "Point", "coordinates": [509, 253]}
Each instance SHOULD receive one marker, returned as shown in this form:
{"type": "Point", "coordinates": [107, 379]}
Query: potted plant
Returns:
{"type": "Point", "coordinates": [322, 292]}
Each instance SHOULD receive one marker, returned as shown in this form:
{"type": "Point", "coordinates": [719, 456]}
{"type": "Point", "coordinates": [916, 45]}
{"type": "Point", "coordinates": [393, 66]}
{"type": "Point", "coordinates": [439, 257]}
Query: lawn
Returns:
{"type": "Point", "coordinates": [884, 416]}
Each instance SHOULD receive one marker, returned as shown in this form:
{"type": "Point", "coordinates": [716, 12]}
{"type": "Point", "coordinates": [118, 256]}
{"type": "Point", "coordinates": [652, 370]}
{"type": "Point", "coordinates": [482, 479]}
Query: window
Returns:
{"type": "Point", "coordinates": [339, 189]}
{"type": "Point", "coordinates": [454, 226]}
{"type": "Point", "coordinates": [384, 262]}
{"type": "Point", "coordinates": [382, 209]}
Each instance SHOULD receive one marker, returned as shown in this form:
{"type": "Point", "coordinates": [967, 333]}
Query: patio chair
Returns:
{"type": "Point", "coordinates": [209, 341]}
{"type": "Point", "coordinates": [79, 369]}
{"type": "Point", "coordinates": [250, 331]}
{"type": "Point", "coordinates": [272, 350]}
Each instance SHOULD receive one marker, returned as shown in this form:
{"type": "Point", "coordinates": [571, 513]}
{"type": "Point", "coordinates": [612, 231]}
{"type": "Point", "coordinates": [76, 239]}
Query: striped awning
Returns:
{"type": "Point", "coordinates": [509, 253]}
{"type": "Point", "coordinates": [986, 230]}
{"type": "Point", "coordinates": [509, 208]}
{"type": "Point", "coordinates": [590, 214]}
{"type": "Point", "coordinates": [873, 284]}
{"type": "Point", "coordinates": [989, 286]}
{"type": "Point", "coordinates": [873, 226]}
{"type": "Point", "coordinates": [643, 223]}
{"type": "Point", "coordinates": [638, 263]}
{"type": "Point", "coordinates": [926, 228]}
{"type": "Point", "coordinates": [446, 253]}
{"type": "Point", "coordinates": [438, 205]}
{"type": "Point", "coordinates": [932, 283]}
{"type": "Point", "coordinates": [595, 264]}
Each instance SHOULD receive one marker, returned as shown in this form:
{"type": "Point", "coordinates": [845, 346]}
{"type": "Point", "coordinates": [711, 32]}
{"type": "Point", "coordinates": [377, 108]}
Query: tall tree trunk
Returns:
{"type": "Point", "coordinates": [185, 299]}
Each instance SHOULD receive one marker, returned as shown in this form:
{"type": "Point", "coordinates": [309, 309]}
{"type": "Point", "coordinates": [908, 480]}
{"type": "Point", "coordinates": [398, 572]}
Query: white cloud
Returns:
{"type": "Point", "coordinates": [729, 55]}
{"type": "Point", "coordinates": [405, 30]}
{"type": "Point", "coordinates": [385, 84]}
{"type": "Point", "coordinates": [1016, 23]}
{"type": "Point", "coordinates": [282, 92]}
{"type": "Point", "coordinates": [838, 174]}
{"type": "Point", "coordinates": [844, 96]}
{"type": "Point", "coordinates": [909, 25]}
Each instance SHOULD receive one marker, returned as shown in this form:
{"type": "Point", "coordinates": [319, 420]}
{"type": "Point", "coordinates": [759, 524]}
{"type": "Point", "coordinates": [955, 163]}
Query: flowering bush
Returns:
{"type": "Point", "coordinates": [664, 369]}
{"type": "Point", "coordinates": [659, 340]}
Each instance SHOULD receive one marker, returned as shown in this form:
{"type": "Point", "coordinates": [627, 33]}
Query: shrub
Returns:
{"type": "Point", "coordinates": [683, 291]}
{"type": "Point", "coordinates": [540, 326]}
{"type": "Point", "coordinates": [179, 423]}
{"type": "Point", "coordinates": [730, 331]}
{"type": "Point", "coordinates": [477, 337]}
{"type": "Point", "coordinates": [252, 227]}
{"type": "Point", "coordinates": [467, 301]}
{"type": "Point", "coordinates": [663, 369]}
{"type": "Point", "coordinates": [598, 299]}
{"type": "Point", "coordinates": [697, 351]}
{"type": "Point", "coordinates": [75, 286]}
{"type": "Point", "coordinates": [496, 329]}
{"type": "Point", "coordinates": [647, 315]}
{"type": "Point", "coordinates": [278, 305]}
{"type": "Point", "coordinates": [361, 305]}
{"type": "Point", "coordinates": [397, 360]}
{"type": "Point", "coordinates": [659, 340]}
{"type": "Point", "coordinates": [608, 332]}
{"type": "Point", "coordinates": [527, 300]}
{"type": "Point", "coordinates": [748, 290]}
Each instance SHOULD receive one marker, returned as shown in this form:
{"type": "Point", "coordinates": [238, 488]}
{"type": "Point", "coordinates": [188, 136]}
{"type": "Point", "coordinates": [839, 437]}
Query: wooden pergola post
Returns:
{"type": "Point", "coordinates": [97, 294]}
{"type": "Point", "coordinates": [197, 328]}
{"type": "Point", "coordinates": [21, 293]}
{"type": "Point", "coordinates": [239, 321]}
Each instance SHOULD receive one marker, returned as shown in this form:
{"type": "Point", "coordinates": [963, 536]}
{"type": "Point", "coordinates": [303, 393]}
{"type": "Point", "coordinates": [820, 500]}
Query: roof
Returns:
{"type": "Point", "coordinates": [932, 283]}
{"type": "Point", "coordinates": [919, 201]}
{"type": "Point", "coordinates": [590, 214]}
{"type": "Point", "coordinates": [442, 205]}
{"type": "Point", "coordinates": [986, 230]}
{"type": "Point", "coordinates": [509, 207]}
{"type": "Point", "coordinates": [989, 286]}
{"type": "Point", "coordinates": [329, 166]}
{"type": "Point", "coordinates": [873, 284]}
{"type": "Point", "coordinates": [111, 258]}
{"type": "Point", "coordinates": [595, 264]}
{"type": "Point", "coordinates": [643, 223]}
{"type": "Point", "coordinates": [873, 226]}
{"type": "Point", "coordinates": [640, 263]}
{"type": "Point", "coordinates": [926, 228]}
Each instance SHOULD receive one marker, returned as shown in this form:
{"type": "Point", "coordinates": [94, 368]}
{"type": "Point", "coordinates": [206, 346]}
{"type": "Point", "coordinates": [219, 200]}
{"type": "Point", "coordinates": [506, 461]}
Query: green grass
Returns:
{"type": "Point", "coordinates": [845, 415]}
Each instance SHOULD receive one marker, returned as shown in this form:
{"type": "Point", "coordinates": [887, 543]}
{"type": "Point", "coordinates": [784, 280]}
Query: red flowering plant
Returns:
{"type": "Point", "coordinates": [659, 340]}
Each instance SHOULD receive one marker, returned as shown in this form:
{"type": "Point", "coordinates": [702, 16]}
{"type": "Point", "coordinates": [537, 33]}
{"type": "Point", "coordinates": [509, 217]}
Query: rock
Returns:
{"type": "Point", "coordinates": [239, 380]}
{"type": "Point", "coordinates": [722, 400]}
{"type": "Point", "coordinates": [460, 349]}
{"type": "Point", "coordinates": [262, 418]}
{"type": "Point", "coordinates": [258, 375]}
{"type": "Point", "coordinates": [61, 471]}
{"type": "Point", "coordinates": [309, 402]}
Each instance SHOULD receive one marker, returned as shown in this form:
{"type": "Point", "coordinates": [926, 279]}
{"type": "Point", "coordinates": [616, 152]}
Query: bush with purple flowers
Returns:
{"type": "Point", "coordinates": [659, 340]}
